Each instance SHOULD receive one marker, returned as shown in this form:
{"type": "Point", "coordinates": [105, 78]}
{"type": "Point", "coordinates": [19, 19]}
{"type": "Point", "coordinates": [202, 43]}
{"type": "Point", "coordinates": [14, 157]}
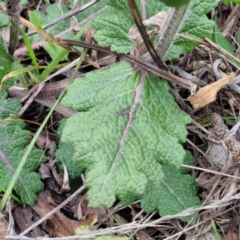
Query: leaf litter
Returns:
{"type": "Point", "coordinates": [218, 193]}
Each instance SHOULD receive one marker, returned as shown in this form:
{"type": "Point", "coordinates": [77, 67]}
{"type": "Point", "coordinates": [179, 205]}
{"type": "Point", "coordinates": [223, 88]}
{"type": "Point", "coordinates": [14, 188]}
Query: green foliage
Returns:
{"type": "Point", "coordinates": [193, 23]}
{"type": "Point", "coordinates": [176, 192]}
{"type": "Point", "coordinates": [174, 3]}
{"type": "Point", "coordinates": [111, 27]}
{"type": "Point", "coordinates": [215, 231]}
{"type": "Point", "coordinates": [128, 131]}
{"type": "Point", "coordinates": [65, 154]}
{"type": "Point", "coordinates": [23, 2]}
{"type": "Point", "coordinates": [128, 135]}
{"type": "Point", "coordinates": [6, 66]}
{"type": "Point", "coordinates": [5, 61]}
{"type": "Point", "coordinates": [53, 11]}
{"type": "Point", "coordinates": [29, 48]}
{"type": "Point", "coordinates": [231, 1]}
{"type": "Point", "coordinates": [14, 140]}
{"type": "Point", "coordinates": [221, 41]}
{"type": "Point", "coordinates": [238, 38]}
{"type": "Point", "coordinates": [10, 107]}
{"type": "Point", "coordinates": [54, 50]}
{"type": "Point", "coordinates": [4, 20]}
{"type": "Point", "coordinates": [100, 6]}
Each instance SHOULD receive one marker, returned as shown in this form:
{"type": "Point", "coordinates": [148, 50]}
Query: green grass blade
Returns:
{"type": "Point", "coordinates": [29, 48]}
{"type": "Point", "coordinates": [215, 231]}
{"type": "Point", "coordinates": [36, 20]}
{"type": "Point", "coordinates": [61, 55]}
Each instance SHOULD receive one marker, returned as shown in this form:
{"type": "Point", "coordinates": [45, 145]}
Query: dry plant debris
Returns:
{"type": "Point", "coordinates": [219, 191]}
{"type": "Point", "coordinates": [208, 94]}
{"type": "Point", "coordinates": [221, 131]}
{"type": "Point", "coordinates": [3, 226]}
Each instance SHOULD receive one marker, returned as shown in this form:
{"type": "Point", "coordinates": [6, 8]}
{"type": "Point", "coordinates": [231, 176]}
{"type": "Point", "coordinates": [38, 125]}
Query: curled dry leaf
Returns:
{"type": "Point", "coordinates": [208, 93]}
{"type": "Point", "coordinates": [155, 21]}
{"type": "Point", "coordinates": [222, 132]}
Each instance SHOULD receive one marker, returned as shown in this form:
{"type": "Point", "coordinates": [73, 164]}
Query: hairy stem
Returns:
{"type": "Point", "coordinates": [171, 27]}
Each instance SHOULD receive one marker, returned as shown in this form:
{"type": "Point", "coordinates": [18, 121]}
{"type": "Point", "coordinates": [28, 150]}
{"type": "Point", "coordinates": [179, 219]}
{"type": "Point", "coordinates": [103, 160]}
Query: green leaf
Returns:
{"type": "Point", "coordinates": [221, 41]}
{"type": "Point", "coordinates": [174, 3]}
{"type": "Point", "coordinates": [238, 37]}
{"type": "Point", "coordinates": [6, 66]}
{"type": "Point", "coordinates": [232, 1]}
{"type": "Point", "coordinates": [14, 140]}
{"type": "Point", "coordinates": [4, 20]}
{"type": "Point", "coordinates": [55, 50]}
{"type": "Point", "coordinates": [175, 193]}
{"type": "Point", "coordinates": [9, 107]}
{"type": "Point", "coordinates": [190, 20]}
{"type": "Point", "coordinates": [127, 130]}
{"type": "Point", "coordinates": [98, 7]}
{"type": "Point", "coordinates": [111, 27]}
{"type": "Point", "coordinates": [65, 154]}
{"type": "Point", "coordinates": [5, 61]}
{"type": "Point", "coordinates": [53, 11]}
{"type": "Point", "coordinates": [23, 2]}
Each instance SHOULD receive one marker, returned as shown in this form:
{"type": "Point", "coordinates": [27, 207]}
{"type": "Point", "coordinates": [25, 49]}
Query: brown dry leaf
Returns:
{"type": "Point", "coordinates": [24, 217]}
{"type": "Point", "coordinates": [58, 225]}
{"type": "Point", "coordinates": [208, 93]}
{"type": "Point", "coordinates": [3, 226]}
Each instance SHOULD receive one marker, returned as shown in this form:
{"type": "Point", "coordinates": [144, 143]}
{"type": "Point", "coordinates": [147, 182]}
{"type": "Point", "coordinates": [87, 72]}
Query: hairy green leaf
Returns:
{"type": "Point", "coordinates": [112, 29]}
{"type": "Point", "coordinates": [65, 154]}
{"type": "Point", "coordinates": [127, 130]}
{"type": "Point", "coordinates": [14, 140]}
{"type": "Point", "coordinates": [113, 25]}
{"type": "Point", "coordinates": [9, 107]}
{"type": "Point", "coordinates": [176, 192]}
